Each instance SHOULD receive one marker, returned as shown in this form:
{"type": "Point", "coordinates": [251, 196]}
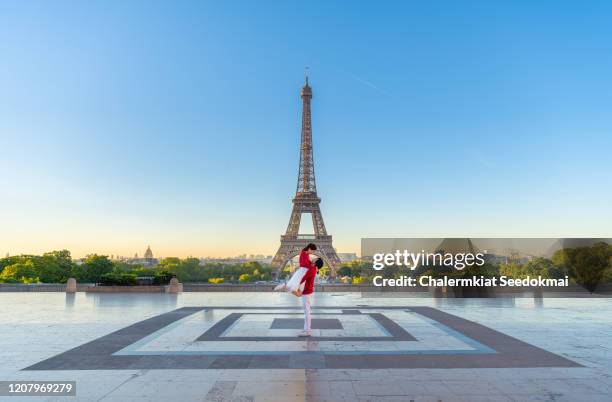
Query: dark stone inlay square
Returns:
{"type": "Point", "coordinates": [298, 323]}
{"type": "Point", "coordinates": [394, 331]}
{"type": "Point", "coordinates": [215, 333]}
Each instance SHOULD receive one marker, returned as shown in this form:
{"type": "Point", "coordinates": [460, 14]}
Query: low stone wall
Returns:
{"type": "Point", "coordinates": [326, 287]}
{"type": "Point", "coordinates": [226, 287]}
{"type": "Point", "coordinates": [126, 289]}
{"type": "Point", "coordinates": [195, 287]}
{"type": "Point", "coordinates": [61, 287]}
{"type": "Point", "coordinates": [572, 290]}
{"type": "Point", "coordinates": [40, 287]}
{"type": "Point", "coordinates": [235, 287]}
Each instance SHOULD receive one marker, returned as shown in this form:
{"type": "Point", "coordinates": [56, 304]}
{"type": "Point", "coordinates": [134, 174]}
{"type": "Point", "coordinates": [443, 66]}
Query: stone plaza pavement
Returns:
{"type": "Point", "coordinates": [243, 347]}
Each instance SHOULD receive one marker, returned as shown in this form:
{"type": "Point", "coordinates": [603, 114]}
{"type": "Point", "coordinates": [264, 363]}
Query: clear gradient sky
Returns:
{"type": "Point", "coordinates": [176, 124]}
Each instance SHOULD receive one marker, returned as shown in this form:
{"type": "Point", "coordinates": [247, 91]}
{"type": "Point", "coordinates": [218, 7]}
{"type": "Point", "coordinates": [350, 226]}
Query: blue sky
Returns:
{"type": "Point", "coordinates": [176, 124]}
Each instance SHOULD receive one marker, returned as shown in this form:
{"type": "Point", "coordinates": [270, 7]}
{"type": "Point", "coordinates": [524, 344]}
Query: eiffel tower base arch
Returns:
{"type": "Point", "coordinates": [290, 248]}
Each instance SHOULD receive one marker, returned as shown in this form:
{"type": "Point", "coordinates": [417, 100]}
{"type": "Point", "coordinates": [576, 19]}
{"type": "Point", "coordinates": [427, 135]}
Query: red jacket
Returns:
{"type": "Point", "coordinates": [305, 260]}
{"type": "Point", "coordinates": [309, 278]}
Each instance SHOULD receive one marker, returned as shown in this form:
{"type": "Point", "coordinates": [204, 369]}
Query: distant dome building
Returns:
{"type": "Point", "coordinates": [148, 254]}
{"type": "Point", "coordinates": [147, 261]}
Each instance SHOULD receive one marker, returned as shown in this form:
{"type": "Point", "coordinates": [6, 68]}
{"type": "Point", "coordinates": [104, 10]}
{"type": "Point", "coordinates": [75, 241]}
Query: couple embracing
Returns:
{"type": "Point", "coordinates": [302, 284]}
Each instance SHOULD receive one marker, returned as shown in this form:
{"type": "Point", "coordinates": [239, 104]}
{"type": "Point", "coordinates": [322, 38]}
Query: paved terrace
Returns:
{"type": "Point", "coordinates": [243, 347]}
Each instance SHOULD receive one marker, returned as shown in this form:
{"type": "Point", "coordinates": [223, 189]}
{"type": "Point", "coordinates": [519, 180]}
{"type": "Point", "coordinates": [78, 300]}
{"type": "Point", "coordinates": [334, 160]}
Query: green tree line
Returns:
{"type": "Point", "coordinates": [58, 266]}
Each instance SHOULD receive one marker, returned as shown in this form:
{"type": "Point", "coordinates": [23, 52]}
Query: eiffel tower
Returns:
{"type": "Point", "coordinates": [306, 201]}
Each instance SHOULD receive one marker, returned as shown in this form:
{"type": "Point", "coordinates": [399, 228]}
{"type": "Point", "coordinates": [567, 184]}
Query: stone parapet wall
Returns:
{"type": "Point", "coordinates": [328, 287]}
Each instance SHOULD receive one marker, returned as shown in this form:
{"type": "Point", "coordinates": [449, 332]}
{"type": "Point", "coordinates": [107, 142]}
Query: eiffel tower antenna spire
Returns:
{"type": "Point", "coordinates": [306, 200]}
{"type": "Point", "coordinates": [306, 177]}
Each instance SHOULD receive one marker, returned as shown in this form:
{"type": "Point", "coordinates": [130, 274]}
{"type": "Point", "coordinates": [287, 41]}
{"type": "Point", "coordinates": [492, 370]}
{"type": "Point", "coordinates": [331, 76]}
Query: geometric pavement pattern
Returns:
{"type": "Point", "coordinates": [266, 337]}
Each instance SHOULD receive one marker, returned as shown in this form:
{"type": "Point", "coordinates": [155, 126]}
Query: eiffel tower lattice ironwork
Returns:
{"type": "Point", "coordinates": [306, 201]}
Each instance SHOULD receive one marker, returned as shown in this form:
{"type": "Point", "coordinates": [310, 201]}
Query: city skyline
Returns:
{"type": "Point", "coordinates": [178, 125]}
